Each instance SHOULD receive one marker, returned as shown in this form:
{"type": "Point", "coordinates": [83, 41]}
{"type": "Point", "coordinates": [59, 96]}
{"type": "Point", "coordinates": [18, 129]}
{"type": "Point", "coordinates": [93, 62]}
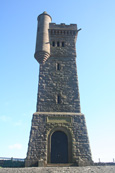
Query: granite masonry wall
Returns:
{"type": "Point", "coordinates": [72, 124]}
{"type": "Point", "coordinates": [62, 83]}
{"type": "Point", "coordinates": [58, 100]}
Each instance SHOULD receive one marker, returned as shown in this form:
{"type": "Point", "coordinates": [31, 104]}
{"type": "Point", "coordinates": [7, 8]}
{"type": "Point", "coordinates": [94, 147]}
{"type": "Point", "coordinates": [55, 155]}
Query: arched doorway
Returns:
{"type": "Point", "coordinates": [64, 131]}
{"type": "Point", "coordinates": [59, 147]}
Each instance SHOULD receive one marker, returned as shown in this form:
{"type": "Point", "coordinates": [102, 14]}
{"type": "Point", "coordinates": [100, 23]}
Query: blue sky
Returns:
{"type": "Point", "coordinates": [19, 70]}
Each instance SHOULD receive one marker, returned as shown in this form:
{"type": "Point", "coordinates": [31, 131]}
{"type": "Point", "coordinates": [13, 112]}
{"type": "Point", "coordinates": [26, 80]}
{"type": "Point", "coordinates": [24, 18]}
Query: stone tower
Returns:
{"type": "Point", "coordinates": [58, 133]}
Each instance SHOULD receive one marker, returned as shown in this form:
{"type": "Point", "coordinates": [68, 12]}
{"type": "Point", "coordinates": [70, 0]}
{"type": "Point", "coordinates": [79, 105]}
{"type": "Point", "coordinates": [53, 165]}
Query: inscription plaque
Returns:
{"type": "Point", "coordinates": [57, 119]}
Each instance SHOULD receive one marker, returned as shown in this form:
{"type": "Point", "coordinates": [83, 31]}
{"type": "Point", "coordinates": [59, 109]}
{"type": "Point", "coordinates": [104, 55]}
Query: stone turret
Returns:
{"type": "Point", "coordinates": [42, 52]}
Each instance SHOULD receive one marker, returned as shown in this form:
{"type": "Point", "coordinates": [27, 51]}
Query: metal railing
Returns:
{"type": "Point", "coordinates": [13, 159]}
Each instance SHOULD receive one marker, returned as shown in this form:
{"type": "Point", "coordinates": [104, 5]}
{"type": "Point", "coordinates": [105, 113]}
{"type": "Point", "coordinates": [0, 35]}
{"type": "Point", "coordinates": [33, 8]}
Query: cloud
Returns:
{"type": "Point", "coordinates": [15, 146]}
{"type": "Point", "coordinates": [19, 123]}
{"type": "Point", "coordinates": [4, 118]}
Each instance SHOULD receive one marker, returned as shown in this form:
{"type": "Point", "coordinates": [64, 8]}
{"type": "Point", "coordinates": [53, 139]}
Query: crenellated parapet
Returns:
{"type": "Point", "coordinates": [62, 29]}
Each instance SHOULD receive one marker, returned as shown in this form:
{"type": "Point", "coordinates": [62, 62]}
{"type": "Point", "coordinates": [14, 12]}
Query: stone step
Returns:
{"type": "Point", "coordinates": [59, 164]}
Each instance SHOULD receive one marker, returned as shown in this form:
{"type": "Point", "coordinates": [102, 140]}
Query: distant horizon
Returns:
{"type": "Point", "coordinates": [15, 158]}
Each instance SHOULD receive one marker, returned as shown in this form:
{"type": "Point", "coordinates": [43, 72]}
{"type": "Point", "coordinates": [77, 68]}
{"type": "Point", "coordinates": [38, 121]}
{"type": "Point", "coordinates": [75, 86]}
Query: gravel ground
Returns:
{"type": "Point", "coordinates": [87, 169]}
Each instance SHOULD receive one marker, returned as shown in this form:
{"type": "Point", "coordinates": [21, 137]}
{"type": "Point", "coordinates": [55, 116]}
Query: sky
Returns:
{"type": "Point", "coordinates": [19, 70]}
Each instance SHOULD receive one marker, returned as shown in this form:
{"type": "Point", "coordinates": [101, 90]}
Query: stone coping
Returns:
{"type": "Point", "coordinates": [57, 113]}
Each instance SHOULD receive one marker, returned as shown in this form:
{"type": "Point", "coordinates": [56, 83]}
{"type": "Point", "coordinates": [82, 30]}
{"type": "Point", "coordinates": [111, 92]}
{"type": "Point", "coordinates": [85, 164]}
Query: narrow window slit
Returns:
{"type": "Point", "coordinates": [63, 44]}
{"type": "Point", "coordinates": [58, 44]}
{"type": "Point", "coordinates": [58, 67]}
{"type": "Point", "coordinates": [53, 43]}
{"type": "Point", "coordinates": [58, 99]}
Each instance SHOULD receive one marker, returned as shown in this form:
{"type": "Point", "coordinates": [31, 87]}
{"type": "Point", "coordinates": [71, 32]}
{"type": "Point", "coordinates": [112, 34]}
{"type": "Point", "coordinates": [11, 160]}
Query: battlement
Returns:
{"type": "Point", "coordinates": [63, 26]}
{"type": "Point", "coordinates": [63, 29]}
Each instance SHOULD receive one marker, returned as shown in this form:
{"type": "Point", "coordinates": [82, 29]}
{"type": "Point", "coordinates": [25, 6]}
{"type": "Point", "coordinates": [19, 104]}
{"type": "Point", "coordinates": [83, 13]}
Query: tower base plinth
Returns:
{"type": "Point", "coordinates": [56, 138]}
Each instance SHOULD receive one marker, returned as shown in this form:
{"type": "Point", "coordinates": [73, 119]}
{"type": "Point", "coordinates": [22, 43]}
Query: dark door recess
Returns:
{"type": "Point", "coordinates": [59, 147]}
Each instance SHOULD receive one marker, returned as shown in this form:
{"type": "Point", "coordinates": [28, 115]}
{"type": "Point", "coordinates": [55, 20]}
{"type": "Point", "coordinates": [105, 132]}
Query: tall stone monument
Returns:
{"type": "Point", "coordinates": [58, 132]}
